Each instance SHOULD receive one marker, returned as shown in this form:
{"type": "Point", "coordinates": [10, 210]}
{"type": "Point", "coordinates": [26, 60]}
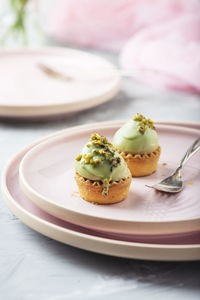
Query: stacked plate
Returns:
{"type": "Point", "coordinates": [39, 188]}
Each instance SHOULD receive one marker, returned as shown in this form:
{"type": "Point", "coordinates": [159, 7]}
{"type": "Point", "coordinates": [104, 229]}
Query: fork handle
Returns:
{"type": "Point", "coordinates": [191, 150]}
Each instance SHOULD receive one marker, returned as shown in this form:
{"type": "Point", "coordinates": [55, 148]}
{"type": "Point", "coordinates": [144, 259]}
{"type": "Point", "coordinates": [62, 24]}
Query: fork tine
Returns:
{"type": "Point", "coordinates": [150, 186]}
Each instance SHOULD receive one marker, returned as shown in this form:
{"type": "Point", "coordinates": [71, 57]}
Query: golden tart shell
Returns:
{"type": "Point", "coordinates": [92, 190]}
{"type": "Point", "coordinates": [142, 165]}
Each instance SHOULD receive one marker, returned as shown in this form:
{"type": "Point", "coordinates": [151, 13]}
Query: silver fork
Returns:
{"type": "Point", "coordinates": [174, 183]}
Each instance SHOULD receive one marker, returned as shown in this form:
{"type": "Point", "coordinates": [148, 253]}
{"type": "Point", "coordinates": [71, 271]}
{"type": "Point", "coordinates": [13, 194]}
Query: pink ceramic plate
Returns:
{"type": "Point", "coordinates": [188, 124]}
{"type": "Point", "coordinates": [174, 247]}
{"type": "Point", "coordinates": [47, 178]}
{"type": "Point", "coordinates": [27, 92]}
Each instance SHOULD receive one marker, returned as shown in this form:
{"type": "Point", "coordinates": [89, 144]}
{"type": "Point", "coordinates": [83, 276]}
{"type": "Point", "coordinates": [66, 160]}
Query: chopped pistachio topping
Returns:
{"type": "Point", "coordinates": [143, 123]}
{"type": "Point", "coordinates": [105, 187]}
{"type": "Point", "coordinates": [103, 149]}
{"type": "Point", "coordinates": [97, 137]}
{"type": "Point", "coordinates": [100, 153]}
{"type": "Point", "coordinates": [79, 157]}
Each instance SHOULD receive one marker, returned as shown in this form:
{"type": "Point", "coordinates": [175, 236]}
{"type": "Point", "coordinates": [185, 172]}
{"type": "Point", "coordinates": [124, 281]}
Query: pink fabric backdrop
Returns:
{"type": "Point", "coordinates": [159, 35]}
{"type": "Point", "coordinates": [108, 24]}
{"type": "Point", "coordinates": [171, 50]}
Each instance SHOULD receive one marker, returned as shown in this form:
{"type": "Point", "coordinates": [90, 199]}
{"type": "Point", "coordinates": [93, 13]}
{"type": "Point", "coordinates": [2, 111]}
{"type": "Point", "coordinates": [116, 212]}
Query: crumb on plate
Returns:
{"type": "Point", "coordinates": [75, 194]}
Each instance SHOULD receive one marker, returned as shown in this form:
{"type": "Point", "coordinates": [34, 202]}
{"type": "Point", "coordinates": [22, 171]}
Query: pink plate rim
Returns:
{"type": "Point", "coordinates": [91, 243]}
{"type": "Point", "coordinates": [88, 220]}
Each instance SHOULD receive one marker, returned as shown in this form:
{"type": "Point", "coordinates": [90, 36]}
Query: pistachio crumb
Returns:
{"type": "Point", "coordinates": [143, 123]}
{"type": "Point", "coordinates": [105, 187]}
{"type": "Point", "coordinates": [79, 157]}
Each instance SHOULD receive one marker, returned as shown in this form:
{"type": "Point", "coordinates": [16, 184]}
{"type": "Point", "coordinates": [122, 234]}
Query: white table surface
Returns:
{"type": "Point", "coordinates": [33, 266]}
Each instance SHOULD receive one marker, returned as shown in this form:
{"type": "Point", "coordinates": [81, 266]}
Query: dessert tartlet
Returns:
{"type": "Point", "coordinates": [102, 174]}
{"type": "Point", "coordinates": [137, 142]}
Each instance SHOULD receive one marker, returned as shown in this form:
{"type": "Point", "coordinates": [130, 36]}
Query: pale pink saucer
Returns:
{"type": "Point", "coordinates": [27, 92]}
{"type": "Point", "coordinates": [185, 246]}
{"type": "Point", "coordinates": [47, 178]}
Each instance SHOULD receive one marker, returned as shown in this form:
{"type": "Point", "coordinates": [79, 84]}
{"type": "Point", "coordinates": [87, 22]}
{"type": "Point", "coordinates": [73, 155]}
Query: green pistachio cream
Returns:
{"type": "Point", "coordinates": [137, 136]}
{"type": "Point", "coordinates": [98, 161]}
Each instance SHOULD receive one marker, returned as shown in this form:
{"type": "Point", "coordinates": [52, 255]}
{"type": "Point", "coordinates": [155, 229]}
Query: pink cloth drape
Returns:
{"type": "Point", "coordinates": [171, 51]}
{"type": "Point", "coordinates": [162, 36]}
{"type": "Point", "coordinates": [108, 24]}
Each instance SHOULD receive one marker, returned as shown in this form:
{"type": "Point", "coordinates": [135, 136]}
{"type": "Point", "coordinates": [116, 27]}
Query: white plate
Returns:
{"type": "Point", "coordinates": [47, 178]}
{"type": "Point", "coordinates": [70, 234]}
{"type": "Point", "coordinates": [27, 92]}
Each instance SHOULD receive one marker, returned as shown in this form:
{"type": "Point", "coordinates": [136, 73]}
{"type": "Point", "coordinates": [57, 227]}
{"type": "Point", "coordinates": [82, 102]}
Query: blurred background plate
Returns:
{"type": "Point", "coordinates": [27, 92]}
